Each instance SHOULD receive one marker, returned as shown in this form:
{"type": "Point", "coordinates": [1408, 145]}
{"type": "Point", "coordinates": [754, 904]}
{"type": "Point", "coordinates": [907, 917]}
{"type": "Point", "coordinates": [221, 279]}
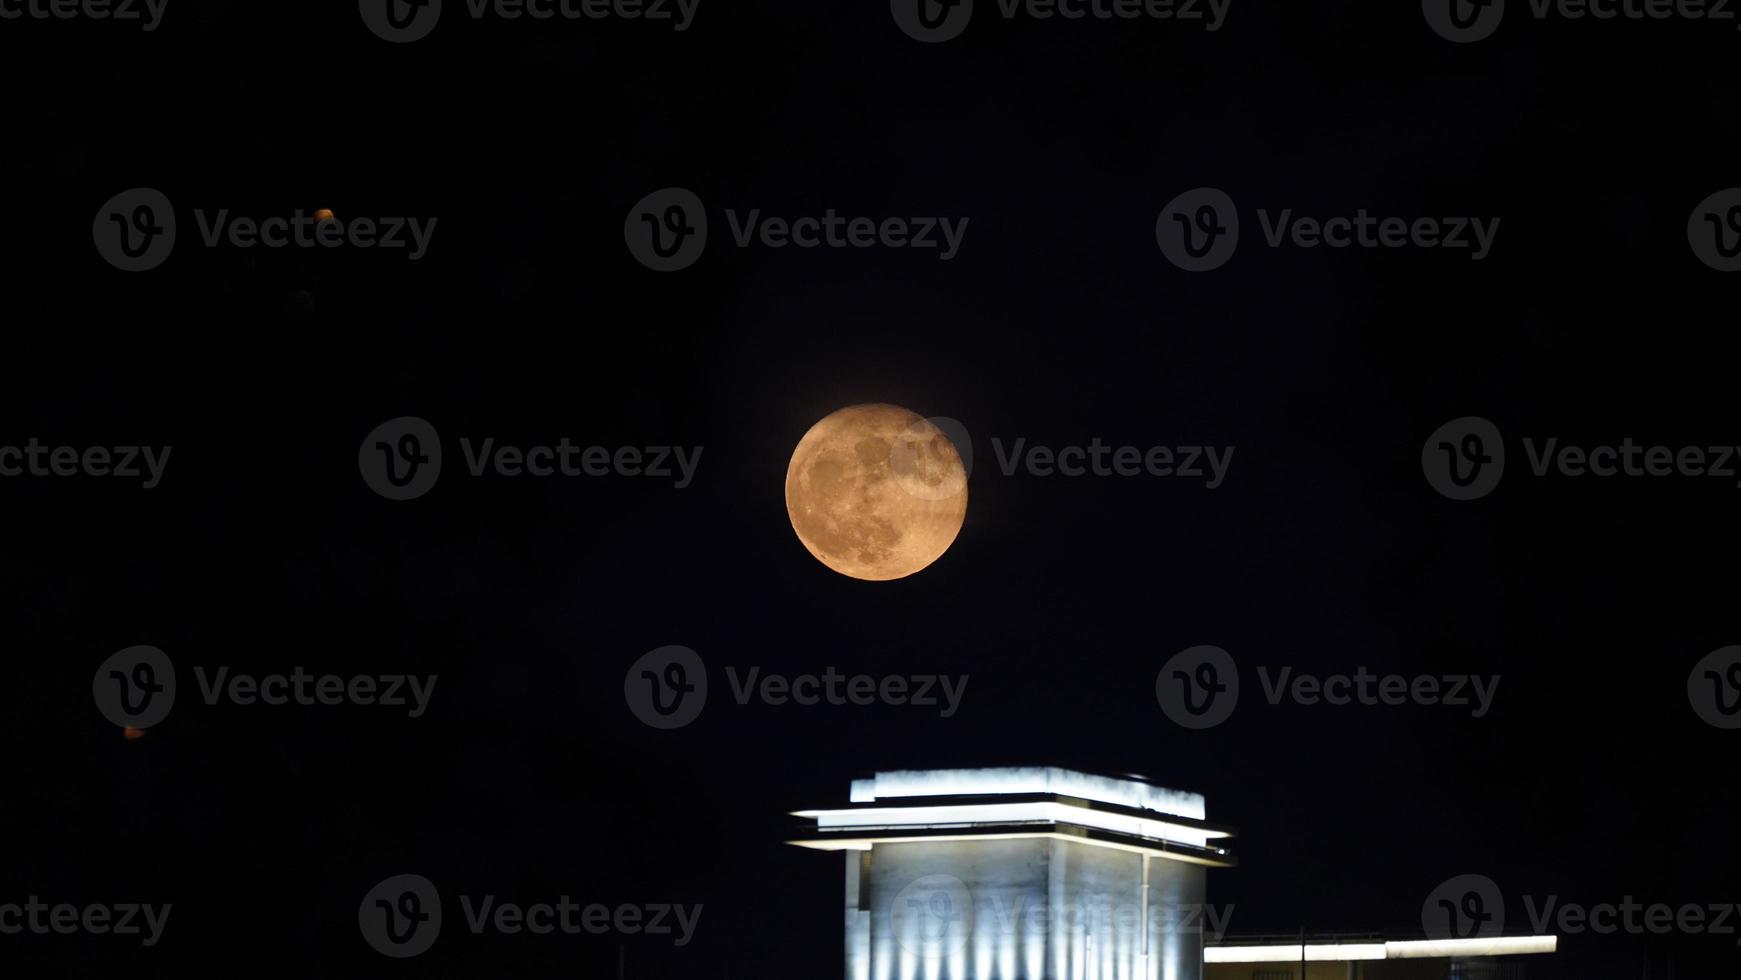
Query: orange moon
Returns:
{"type": "Point", "coordinates": [876, 492]}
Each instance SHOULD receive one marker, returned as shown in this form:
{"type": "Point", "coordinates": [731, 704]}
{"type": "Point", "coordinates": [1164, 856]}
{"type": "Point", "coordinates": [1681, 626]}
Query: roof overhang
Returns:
{"type": "Point", "coordinates": [1122, 813]}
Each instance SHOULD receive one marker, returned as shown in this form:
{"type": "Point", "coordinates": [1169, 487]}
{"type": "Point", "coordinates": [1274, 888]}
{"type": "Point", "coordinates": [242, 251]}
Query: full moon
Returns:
{"type": "Point", "coordinates": [876, 492]}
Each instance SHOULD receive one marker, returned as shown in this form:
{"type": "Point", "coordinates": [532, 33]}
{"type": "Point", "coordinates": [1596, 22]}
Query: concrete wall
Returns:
{"type": "Point", "coordinates": [1026, 909]}
{"type": "Point", "coordinates": [1177, 901]}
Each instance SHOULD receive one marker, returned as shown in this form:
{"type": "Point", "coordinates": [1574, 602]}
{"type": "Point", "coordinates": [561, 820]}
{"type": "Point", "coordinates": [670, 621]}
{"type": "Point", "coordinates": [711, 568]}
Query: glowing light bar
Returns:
{"type": "Point", "coordinates": [1315, 953]}
{"type": "Point", "coordinates": [1395, 950]}
{"type": "Point", "coordinates": [968, 815]}
{"type": "Point", "coordinates": [1028, 780]}
{"type": "Point", "coordinates": [1495, 946]}
{"type": "Point", "coordinates": [1212, 857]}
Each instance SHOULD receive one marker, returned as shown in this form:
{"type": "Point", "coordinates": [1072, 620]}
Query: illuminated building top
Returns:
{"type": "Point", "coordinates": [1123, 813]}
{"type": "Point", "coordinates": [1128, 791]}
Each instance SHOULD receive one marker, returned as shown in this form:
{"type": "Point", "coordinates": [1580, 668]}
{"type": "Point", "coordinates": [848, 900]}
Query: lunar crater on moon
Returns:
{"type": "Point", "coordinates": [876, 492]}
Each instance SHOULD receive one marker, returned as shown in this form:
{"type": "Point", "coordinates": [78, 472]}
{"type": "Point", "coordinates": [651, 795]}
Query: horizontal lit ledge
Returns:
{"type": "Point", "coordinates": [1496, 946]}
{"type": "Point", "coordinates": [1284, 953]}
{"type": "Point", "coordinates": [1006, 813]}
{"type": "Point", "coordinates": [1396, 950]}
{"type": "Point", "coordinates": [1028, 779]}
{"type": "Point", "coordinates": [1209, 857]}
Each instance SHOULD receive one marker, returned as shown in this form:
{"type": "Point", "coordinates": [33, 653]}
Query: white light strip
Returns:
{"type": "Point", "coordinates": [1251, 954]}
{"type": "Point", "coordinates": [972, 814]}
{"type": "Point", "coordinates": [1401, 950]}
{"type": "Point", "coordinates": [1315, 953]}
{"type": "Point", "coordinates": [1495, 946]}
{"type": "Point", "coordinates": [864, 844]}
{"type": "Point", "coordinates": [1027, 780]}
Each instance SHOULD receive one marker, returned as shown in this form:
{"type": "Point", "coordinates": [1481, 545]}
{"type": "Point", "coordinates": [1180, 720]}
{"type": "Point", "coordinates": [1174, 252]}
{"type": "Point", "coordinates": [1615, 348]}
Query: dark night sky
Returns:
{"type": "Point", "coordinates": [1059, 322]}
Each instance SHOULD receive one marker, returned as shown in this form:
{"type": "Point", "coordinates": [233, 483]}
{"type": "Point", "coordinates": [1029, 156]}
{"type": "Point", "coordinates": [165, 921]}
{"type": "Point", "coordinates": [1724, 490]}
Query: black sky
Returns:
{"type": "Point", "coordinates": [1059, 322]}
